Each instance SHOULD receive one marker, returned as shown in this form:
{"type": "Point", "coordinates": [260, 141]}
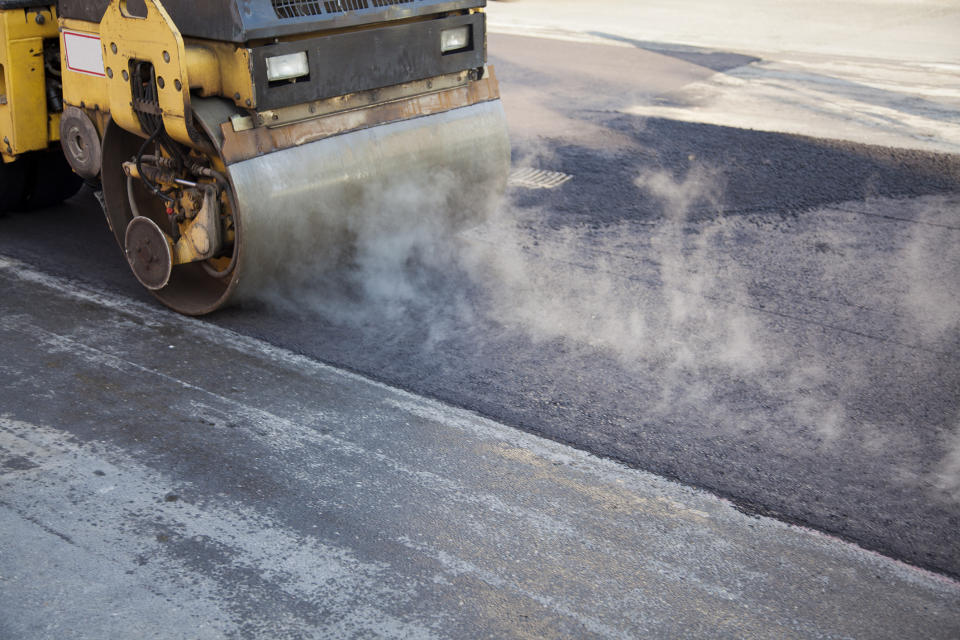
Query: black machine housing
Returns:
{"type": "Point", "coordinates": [245, 20]}
{"type": "Point", "coordinates": [370, 59]}
{"type": "Point", "coordinates": [395, 51]}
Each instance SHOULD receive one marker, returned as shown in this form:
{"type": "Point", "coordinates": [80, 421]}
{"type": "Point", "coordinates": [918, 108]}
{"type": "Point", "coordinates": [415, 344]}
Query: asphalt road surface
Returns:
{"type": "Point", "coordinates": [768, 317]}
{"type": "Point", "coordinates": [179, 480]}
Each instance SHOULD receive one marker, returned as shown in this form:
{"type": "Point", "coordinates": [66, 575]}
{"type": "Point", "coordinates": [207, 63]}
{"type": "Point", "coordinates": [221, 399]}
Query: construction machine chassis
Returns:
{"type": "Point", "coordinates": [223, 133]}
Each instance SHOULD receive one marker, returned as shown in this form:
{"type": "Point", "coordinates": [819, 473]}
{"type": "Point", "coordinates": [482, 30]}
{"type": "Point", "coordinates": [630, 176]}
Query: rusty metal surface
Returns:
{"type": "Point", "coordinates": [282, 116]}
{"type": "Point", "coordinates": [243, 145]}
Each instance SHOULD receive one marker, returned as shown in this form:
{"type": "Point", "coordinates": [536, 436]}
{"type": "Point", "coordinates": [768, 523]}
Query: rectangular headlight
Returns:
{"type": "Point", "coordinates": [287, 67]}
{"type": "Point", "coordinates": [454, 39]}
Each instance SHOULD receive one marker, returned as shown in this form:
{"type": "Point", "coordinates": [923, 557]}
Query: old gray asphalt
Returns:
{"type": "Point", "coordinates": [162, 477]}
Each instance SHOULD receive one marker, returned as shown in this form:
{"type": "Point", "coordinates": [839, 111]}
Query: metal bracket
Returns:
{"type": "Point", "coordinates": [156, 39]}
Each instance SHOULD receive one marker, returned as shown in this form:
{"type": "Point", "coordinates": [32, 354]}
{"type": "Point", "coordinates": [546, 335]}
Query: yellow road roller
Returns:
{"type": "Point", "coordinates": [231, 142]}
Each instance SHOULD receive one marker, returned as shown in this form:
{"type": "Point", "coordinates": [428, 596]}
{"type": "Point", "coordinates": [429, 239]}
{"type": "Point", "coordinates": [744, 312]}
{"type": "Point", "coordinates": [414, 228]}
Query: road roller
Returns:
{"type": "Point", "coordinates": [236, 143]}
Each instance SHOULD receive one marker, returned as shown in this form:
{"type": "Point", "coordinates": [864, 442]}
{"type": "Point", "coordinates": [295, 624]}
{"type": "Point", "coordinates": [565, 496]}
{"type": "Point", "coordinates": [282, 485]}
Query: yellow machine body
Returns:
{"type": "Point", "coordinates": [25, 124]}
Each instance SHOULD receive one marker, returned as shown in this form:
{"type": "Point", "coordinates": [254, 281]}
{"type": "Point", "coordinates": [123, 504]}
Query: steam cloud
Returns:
{"type": "Point", "coordinates": [699, 301]}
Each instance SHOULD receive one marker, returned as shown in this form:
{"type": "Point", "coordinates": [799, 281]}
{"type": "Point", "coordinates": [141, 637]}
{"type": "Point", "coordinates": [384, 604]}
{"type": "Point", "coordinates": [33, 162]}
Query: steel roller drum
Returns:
{"type": "Point", "coordinates": [303, 207]}
{"type": "Point", "coordinates": [300, 210]}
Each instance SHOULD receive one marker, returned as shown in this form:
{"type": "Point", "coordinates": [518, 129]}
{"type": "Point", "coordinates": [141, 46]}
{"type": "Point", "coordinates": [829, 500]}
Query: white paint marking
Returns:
{"type": "Point", "coordinates": [82, 53]}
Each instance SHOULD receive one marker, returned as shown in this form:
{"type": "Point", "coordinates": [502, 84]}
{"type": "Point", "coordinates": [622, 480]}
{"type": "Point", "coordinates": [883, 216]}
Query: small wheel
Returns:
{"type": "Point", "coordinates": [194, 288]}
{"type": "Point", "coordinates": [148, 253]}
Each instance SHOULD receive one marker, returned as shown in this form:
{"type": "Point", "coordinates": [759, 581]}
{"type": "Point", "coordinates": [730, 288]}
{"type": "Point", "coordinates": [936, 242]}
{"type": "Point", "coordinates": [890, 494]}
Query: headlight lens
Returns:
{"type": "Point", "coordinates": [454, 39]}
{"type": "Point", "coordinates": [287, 67]}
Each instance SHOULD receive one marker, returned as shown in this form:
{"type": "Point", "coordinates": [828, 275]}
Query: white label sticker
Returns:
{"type": "Point", "coordinates": [83, 53]}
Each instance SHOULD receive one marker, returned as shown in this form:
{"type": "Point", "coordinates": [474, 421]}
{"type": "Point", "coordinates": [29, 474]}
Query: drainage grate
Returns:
{"type": "Point", "coordinates": [301, 8]}
{"type": "Point", "coordinates": [339, 6]}
{"type": "Point", "coordinates": [537, 178]}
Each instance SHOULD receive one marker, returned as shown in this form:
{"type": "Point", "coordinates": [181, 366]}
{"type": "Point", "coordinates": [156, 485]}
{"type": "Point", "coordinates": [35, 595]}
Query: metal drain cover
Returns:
{"type": "Point", "coordinates": [537, 178]}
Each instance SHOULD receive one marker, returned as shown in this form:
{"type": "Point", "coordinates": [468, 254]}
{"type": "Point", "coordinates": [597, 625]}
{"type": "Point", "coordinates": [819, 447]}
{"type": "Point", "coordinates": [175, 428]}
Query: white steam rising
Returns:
{"type": "Point", "coordinates": [750, 322]}
{"type": "Point", "coordinates": [947, 473]}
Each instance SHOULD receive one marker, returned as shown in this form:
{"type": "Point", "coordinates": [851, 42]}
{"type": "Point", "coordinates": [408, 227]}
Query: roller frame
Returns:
{"type": "Point", "coordinates": [311, 189]}
{"type": "Point", "coordinates": [296, 175]}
